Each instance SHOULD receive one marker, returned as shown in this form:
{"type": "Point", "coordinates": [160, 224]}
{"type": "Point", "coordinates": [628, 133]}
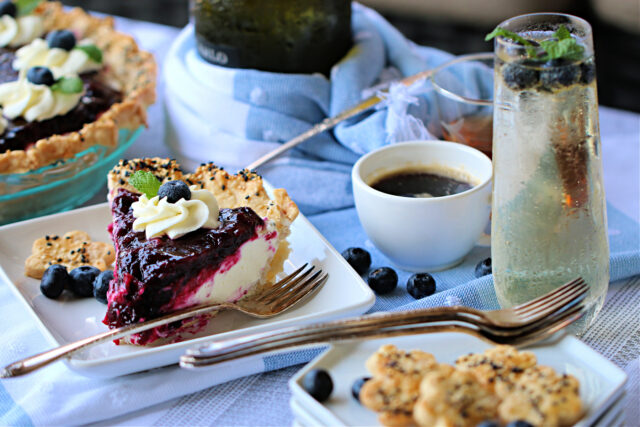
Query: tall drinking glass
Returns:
{"type": "Point", "coordinates": [548, 208]}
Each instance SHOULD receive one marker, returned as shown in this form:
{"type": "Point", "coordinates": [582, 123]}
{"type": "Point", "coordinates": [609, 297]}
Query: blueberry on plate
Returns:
{"type": "Point", "coordinates": [382, 280]}
{"type": "Point", "coordinates": [519, 423]}
{"type": "Point", "coordinates": [54, 280]}
{"type": "Point", "coordinates": [174, 191]}
{"type": "Point", "coordinates": [82, 279]}
{"type": "Point", "coordinates": [358, 258]}
{"type": "Point", "coordinates": [318, 384]}
{"type": "Point", "coordinates": [483, 267]}
{"type": "Point", "coordinates": [488, 423]}
{"type": "Point", "coordinates": [421, 285]}
{"type": "Point", "coordinates": [63, 39]}
{"type": "Point", "coordinates": [520, 77]}
{"type": "Point", "coordinates": [7, 7]}
{"type": "Point", "coordinates": [357, 386]}
{"type": "Point", "coordinates": [101, 285]}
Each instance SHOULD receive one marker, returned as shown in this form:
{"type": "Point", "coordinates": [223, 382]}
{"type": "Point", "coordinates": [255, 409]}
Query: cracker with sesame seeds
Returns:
{"type": "Point", "coordinates": [72, 250]}
{"type": "Point", "coordinates": [394, 388]}
{"type": "Point", "coordinates": [450, 397]}
{"type": "Point", "coordinates": [541, 397]}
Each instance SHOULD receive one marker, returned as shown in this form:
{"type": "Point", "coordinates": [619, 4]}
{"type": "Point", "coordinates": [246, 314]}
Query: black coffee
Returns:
{"type": "Point", "coordinates": [419, 184]}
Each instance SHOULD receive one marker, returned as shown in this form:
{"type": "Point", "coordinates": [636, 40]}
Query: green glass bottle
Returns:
{"type": "Point", "coordinates": [289, 36]}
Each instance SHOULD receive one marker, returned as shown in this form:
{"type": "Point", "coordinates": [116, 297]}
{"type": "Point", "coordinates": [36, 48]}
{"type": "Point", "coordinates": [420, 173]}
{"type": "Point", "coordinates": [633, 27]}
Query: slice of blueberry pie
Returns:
{"type": "Point", "coordinates": [68, 81]}
{"type": "Point", "coordinates": [183, 240]}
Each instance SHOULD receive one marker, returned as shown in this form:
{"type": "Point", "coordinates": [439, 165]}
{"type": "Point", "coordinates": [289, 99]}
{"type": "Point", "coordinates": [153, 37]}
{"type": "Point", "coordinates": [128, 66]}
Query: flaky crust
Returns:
{"type": "Point", "coordinates": [231, 190]}
{"type": "Point", "coordinates": [127, 69]}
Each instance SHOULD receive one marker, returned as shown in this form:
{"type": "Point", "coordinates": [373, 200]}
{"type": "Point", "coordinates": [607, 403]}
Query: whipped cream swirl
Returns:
{"type": "Point", "coordinates": [157, 216]}
{"type": "Point", "coordinates": [35, 102]}
{"type": "Point", "coordinates": [19, 31]}
{"type": "Point", "coordinates": [59, 61]}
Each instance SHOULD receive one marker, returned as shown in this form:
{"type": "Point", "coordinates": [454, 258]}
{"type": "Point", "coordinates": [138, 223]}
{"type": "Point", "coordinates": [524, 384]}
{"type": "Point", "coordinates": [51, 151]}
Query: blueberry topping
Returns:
{"type": "Point", "coordinates": [63, 39]}
{"type": "Point", "coordinates": [357, 386]}
{"type": "Point", "coordinates": [488, 423]}
{"type": "Point", "coordinates": [82, 280]}
{"type": "Point", "coordinates": [358, 258]}
{"type": "Point", "coordinates": [318, 384]}
{"type": "Point", "coordinates": [557, 76]}
{"type": "Point", "coordinates": [54, 280]}
{"type": "Point", "coordinates": [421, 285]}
{"type": "Point", "coordinates": [101, 285]}
{"type": "Point", "coordinates": [382, 280]}
{"type": "Point", "coordinates": [174, 191]}
{"type": "Point", "coordinates": [7, 7]}
{"type": "Point", "coordinates": [483, 268]}
{"type": "Point", "coordinates": [587, 72]}
{"type": "Point", "coordinates": [40, 76]}
{"type": "Point", "coordinates": [519, 423]}
{"type": "Point", "coordinates": [519, 77]}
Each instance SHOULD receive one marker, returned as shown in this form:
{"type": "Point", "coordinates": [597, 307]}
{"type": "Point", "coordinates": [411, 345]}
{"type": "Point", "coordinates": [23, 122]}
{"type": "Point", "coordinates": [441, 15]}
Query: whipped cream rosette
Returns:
{"type": "Point", "coordinates": [18, 31]}
{"type": "Point", "coordinates": [60, 61]}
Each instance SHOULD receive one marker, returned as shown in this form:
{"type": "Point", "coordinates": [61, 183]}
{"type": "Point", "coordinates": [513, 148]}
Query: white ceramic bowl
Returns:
{"type": "Point", "coordinates": [424, 234]}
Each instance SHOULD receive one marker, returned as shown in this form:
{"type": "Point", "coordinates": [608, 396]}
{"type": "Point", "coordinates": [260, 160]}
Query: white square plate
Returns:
{"type": "Point", "coordinates": [601, 382]}
{"type": "Point", "coordinates": [69, 319]}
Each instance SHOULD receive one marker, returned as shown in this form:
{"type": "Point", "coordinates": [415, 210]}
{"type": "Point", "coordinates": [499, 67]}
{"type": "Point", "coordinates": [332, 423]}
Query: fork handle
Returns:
{"type": "Point", "coordinates": [292, 336]}
{"type": "Point", "coordinates": [190, 361]}
{"type": "Point", "coordinates": [30, 364]}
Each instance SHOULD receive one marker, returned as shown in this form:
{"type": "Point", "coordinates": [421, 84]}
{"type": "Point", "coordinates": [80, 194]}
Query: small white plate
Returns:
{"type": "Point", "coordinates": [69, 319]}
{"type": "Point", "coordinates": [601, 382]}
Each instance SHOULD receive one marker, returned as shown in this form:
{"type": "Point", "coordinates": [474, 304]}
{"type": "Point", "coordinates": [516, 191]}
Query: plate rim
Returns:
{"type": "Point", "coordinates": [85, 366]}
{"type": "Point", "coordinates": [321, 412]}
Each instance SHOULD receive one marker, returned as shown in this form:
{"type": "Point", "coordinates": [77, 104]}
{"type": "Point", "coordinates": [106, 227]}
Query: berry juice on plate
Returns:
{"type": "Point", "coordinates": [548, 208]}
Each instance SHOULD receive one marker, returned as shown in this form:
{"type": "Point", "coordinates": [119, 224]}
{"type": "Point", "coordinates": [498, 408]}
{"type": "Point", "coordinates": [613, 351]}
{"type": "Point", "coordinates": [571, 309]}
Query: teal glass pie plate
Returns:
{"type": "Point", "coordinates": [62, 185]}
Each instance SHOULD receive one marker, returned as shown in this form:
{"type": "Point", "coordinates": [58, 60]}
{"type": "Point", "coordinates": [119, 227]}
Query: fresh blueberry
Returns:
{"type": "Point", "coordinates": [174, 191]}
{"type": "Point", "coordinates": [82, 279]}
{"type": "Point", "coordinates": [421, 285]}
{"type": "Point", "coordinates": [483, 267]}
{"type": "Point", "coordinates": [520, 77]}
{"type": "Point", "coordinates": [101, 285]}
{"type": "Point", "coordinates": [587, 72]}
{"type": "Point", "coordinates": [54, 280]}
{"type": "Point", "coordinates": [7, 7]}
{"type": "Point", "coordinates": [382, 280]}
{"type": "Point", "coordinates": [519, 423]}
{"type": "Point", "coordinates": [357, 386]}
{"type": "Point", "coordinates": [318, 384]}
{"type": "Point", "coordinates": [358, 258]}
{"type": "Point", "coordinates": [63, 39]}
{"type": "Point", "coordinates": [557, 76]}
{"type": "Point", "coordinates": [40, 76]}
{"type": "Point", "coordinates": [488, 423]}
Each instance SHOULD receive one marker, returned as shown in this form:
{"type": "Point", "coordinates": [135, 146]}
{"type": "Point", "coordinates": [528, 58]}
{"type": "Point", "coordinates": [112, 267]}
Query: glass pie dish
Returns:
{"type": "Point", "coordinates": [62, 185]}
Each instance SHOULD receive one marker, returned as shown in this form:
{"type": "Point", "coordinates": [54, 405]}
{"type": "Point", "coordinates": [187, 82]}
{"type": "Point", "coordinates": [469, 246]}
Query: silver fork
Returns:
{"type": "Point", "coordinates": [558, 307]}
{"type": "Point", "coordinates": [265, 303]}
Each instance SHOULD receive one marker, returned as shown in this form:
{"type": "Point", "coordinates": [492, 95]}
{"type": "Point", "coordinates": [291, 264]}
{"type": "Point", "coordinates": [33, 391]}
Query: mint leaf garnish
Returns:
{"type": "Point", "coordinates": [564, 47]}
{"type": "Point", "coordinates": [529, 47]}
{"type": "Point", "coordinates": [146, 183]}
{"type": "Point", "coordinates": [25, 7]}
{"type": "Point", "coordinates": [68, 85]}
{"type": "Point", "coordinates": [93, 51]}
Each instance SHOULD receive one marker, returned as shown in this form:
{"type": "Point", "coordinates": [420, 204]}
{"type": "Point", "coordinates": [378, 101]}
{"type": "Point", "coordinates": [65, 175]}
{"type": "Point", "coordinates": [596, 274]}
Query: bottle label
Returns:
{"type": "Point", "coordinates": [218, 54]}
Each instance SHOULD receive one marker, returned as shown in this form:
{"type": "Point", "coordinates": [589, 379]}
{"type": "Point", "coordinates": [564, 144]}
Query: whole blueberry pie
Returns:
{"type": "Point", "coordinates": [184, 240]}
{"type": "Point", "coordinates": [68, 81]}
